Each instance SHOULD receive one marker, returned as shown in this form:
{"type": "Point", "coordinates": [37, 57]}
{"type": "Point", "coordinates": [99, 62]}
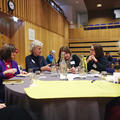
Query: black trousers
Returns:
{"type": "Point", "coordinates": [2, 93]}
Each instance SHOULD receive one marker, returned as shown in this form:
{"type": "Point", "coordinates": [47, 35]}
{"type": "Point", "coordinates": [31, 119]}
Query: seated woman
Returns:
{"type": "Point", "coordinates": [96, 60]}
{"type": "Point", "coordinates": [8, 67]}
{"type": "Point", "coordinates": [35, 61]}
{"type": "Point", "coordinates": [71, 60]}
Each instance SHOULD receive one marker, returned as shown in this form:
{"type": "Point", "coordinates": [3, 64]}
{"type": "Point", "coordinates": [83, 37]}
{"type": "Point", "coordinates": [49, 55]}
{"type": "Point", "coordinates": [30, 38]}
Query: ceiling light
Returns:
{"type": "Point", "coordinates": [99, 5]}
{"type": "Point", "coordinates": [52, 3]}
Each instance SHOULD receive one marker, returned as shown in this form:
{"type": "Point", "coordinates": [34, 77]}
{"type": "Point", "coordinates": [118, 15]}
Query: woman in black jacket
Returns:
{"type": "Point", "coordinates": [96, 60]}
{"type": "Point", "coordinates": [35, 61]}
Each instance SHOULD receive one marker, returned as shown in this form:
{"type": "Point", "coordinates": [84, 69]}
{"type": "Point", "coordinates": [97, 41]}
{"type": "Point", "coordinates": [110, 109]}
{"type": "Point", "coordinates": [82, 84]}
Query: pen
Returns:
{"type": "Point", "coordinates": [93, 81]}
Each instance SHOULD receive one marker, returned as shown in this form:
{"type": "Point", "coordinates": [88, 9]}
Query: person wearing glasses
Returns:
{"type": "Point", "coordinates": [96, 60]}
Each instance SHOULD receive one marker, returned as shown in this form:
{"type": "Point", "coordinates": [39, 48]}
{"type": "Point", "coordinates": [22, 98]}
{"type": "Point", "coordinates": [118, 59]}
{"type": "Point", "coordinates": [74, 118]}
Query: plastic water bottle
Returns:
{"type": "Point", "coordinates": [63, 67]}
{"type": "Point", "coordinates": [82, 68]}
{"type": "Point", "coordinates": [53, 65]}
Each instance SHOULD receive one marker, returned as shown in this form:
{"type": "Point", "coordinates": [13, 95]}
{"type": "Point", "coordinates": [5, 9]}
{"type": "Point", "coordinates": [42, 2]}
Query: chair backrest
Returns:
{"type": "Point", "coordinates": [110, 70]}
{"type": "Point", "coordinates": [114, 60]}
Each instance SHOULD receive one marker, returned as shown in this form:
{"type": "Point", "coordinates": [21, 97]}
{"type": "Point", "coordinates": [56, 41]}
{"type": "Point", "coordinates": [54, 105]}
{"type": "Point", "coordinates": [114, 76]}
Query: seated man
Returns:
{"type": "Point", "coordinates": [49, 58]}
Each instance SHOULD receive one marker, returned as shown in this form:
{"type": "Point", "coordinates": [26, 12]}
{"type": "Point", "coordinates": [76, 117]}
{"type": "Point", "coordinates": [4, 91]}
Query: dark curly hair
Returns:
{"type": "Point", "coordinates": [6, 50]}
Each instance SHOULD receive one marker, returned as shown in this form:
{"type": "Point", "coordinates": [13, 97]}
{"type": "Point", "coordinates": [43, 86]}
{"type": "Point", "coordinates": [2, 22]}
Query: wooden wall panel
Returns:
{"type": "Point", "coordinates": [13, 33]}
{"type": "Point", "coordinates": [78, 44]}
{"type": "Point", "coordinates": [38, 12]}
{"type": "Point", "coordinates": [50, 27]}
{"type": "Point", "coordinates": [18, 40]}
{"type": "Point", "coordinates": [97, 17]}
{"type": "Point", "coordinates": [105, 49]}
{"type": "Point", "coordinates": [94, 35]}
{"type": "Point", "coordinates": [66, 35]}
{"type": "Point", "coordinates": [3, 39]}
{"type": "Point", "coordinates": [108, 38]}
{"type": "Point", "coordinates": [50, 39]}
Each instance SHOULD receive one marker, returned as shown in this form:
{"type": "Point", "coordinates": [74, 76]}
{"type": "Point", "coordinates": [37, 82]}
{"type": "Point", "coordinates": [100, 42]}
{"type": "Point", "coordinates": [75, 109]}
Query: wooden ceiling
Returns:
{"type": "Point", "coordinates": [91, 5]}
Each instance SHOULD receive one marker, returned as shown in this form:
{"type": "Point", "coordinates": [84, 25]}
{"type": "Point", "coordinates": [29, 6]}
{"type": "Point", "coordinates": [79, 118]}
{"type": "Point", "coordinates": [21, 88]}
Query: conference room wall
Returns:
{"type": "Point", "coordinates": [50, 27]}
{"type": "Point", "coordinates": [101, 17]}
{"type": "Point", "coordinates": [79, 34]}
{"type": "Point", "coordinates": [4, 29]}
{"type": "Point", "coordinates": [50, 40]}
{"type": "Point", "coordinates": [80, 40]}
{"type": "Point", "coordinates": [13, 32]}
{"type": "Point", "coordinates": [18, 39]}
{"type": "Point", "coordinates": [37, 12]}
{"type": "Point", "coordinates": [102, 20]}
{"type": "Point", "coordinates": [3, 39]}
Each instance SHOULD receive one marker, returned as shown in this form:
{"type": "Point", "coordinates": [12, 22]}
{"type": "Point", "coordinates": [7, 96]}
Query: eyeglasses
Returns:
{"type": "Point", "coordinates": [92, 50]}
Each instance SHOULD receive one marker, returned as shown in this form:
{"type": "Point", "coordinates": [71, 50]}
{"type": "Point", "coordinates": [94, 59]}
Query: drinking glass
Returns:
{"type": "Point", "coordinates": [37, 74]}
{"type": "Point", "coordinates": [54, 70]}
{"type": "Point", "coordinates": [31, 74]}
